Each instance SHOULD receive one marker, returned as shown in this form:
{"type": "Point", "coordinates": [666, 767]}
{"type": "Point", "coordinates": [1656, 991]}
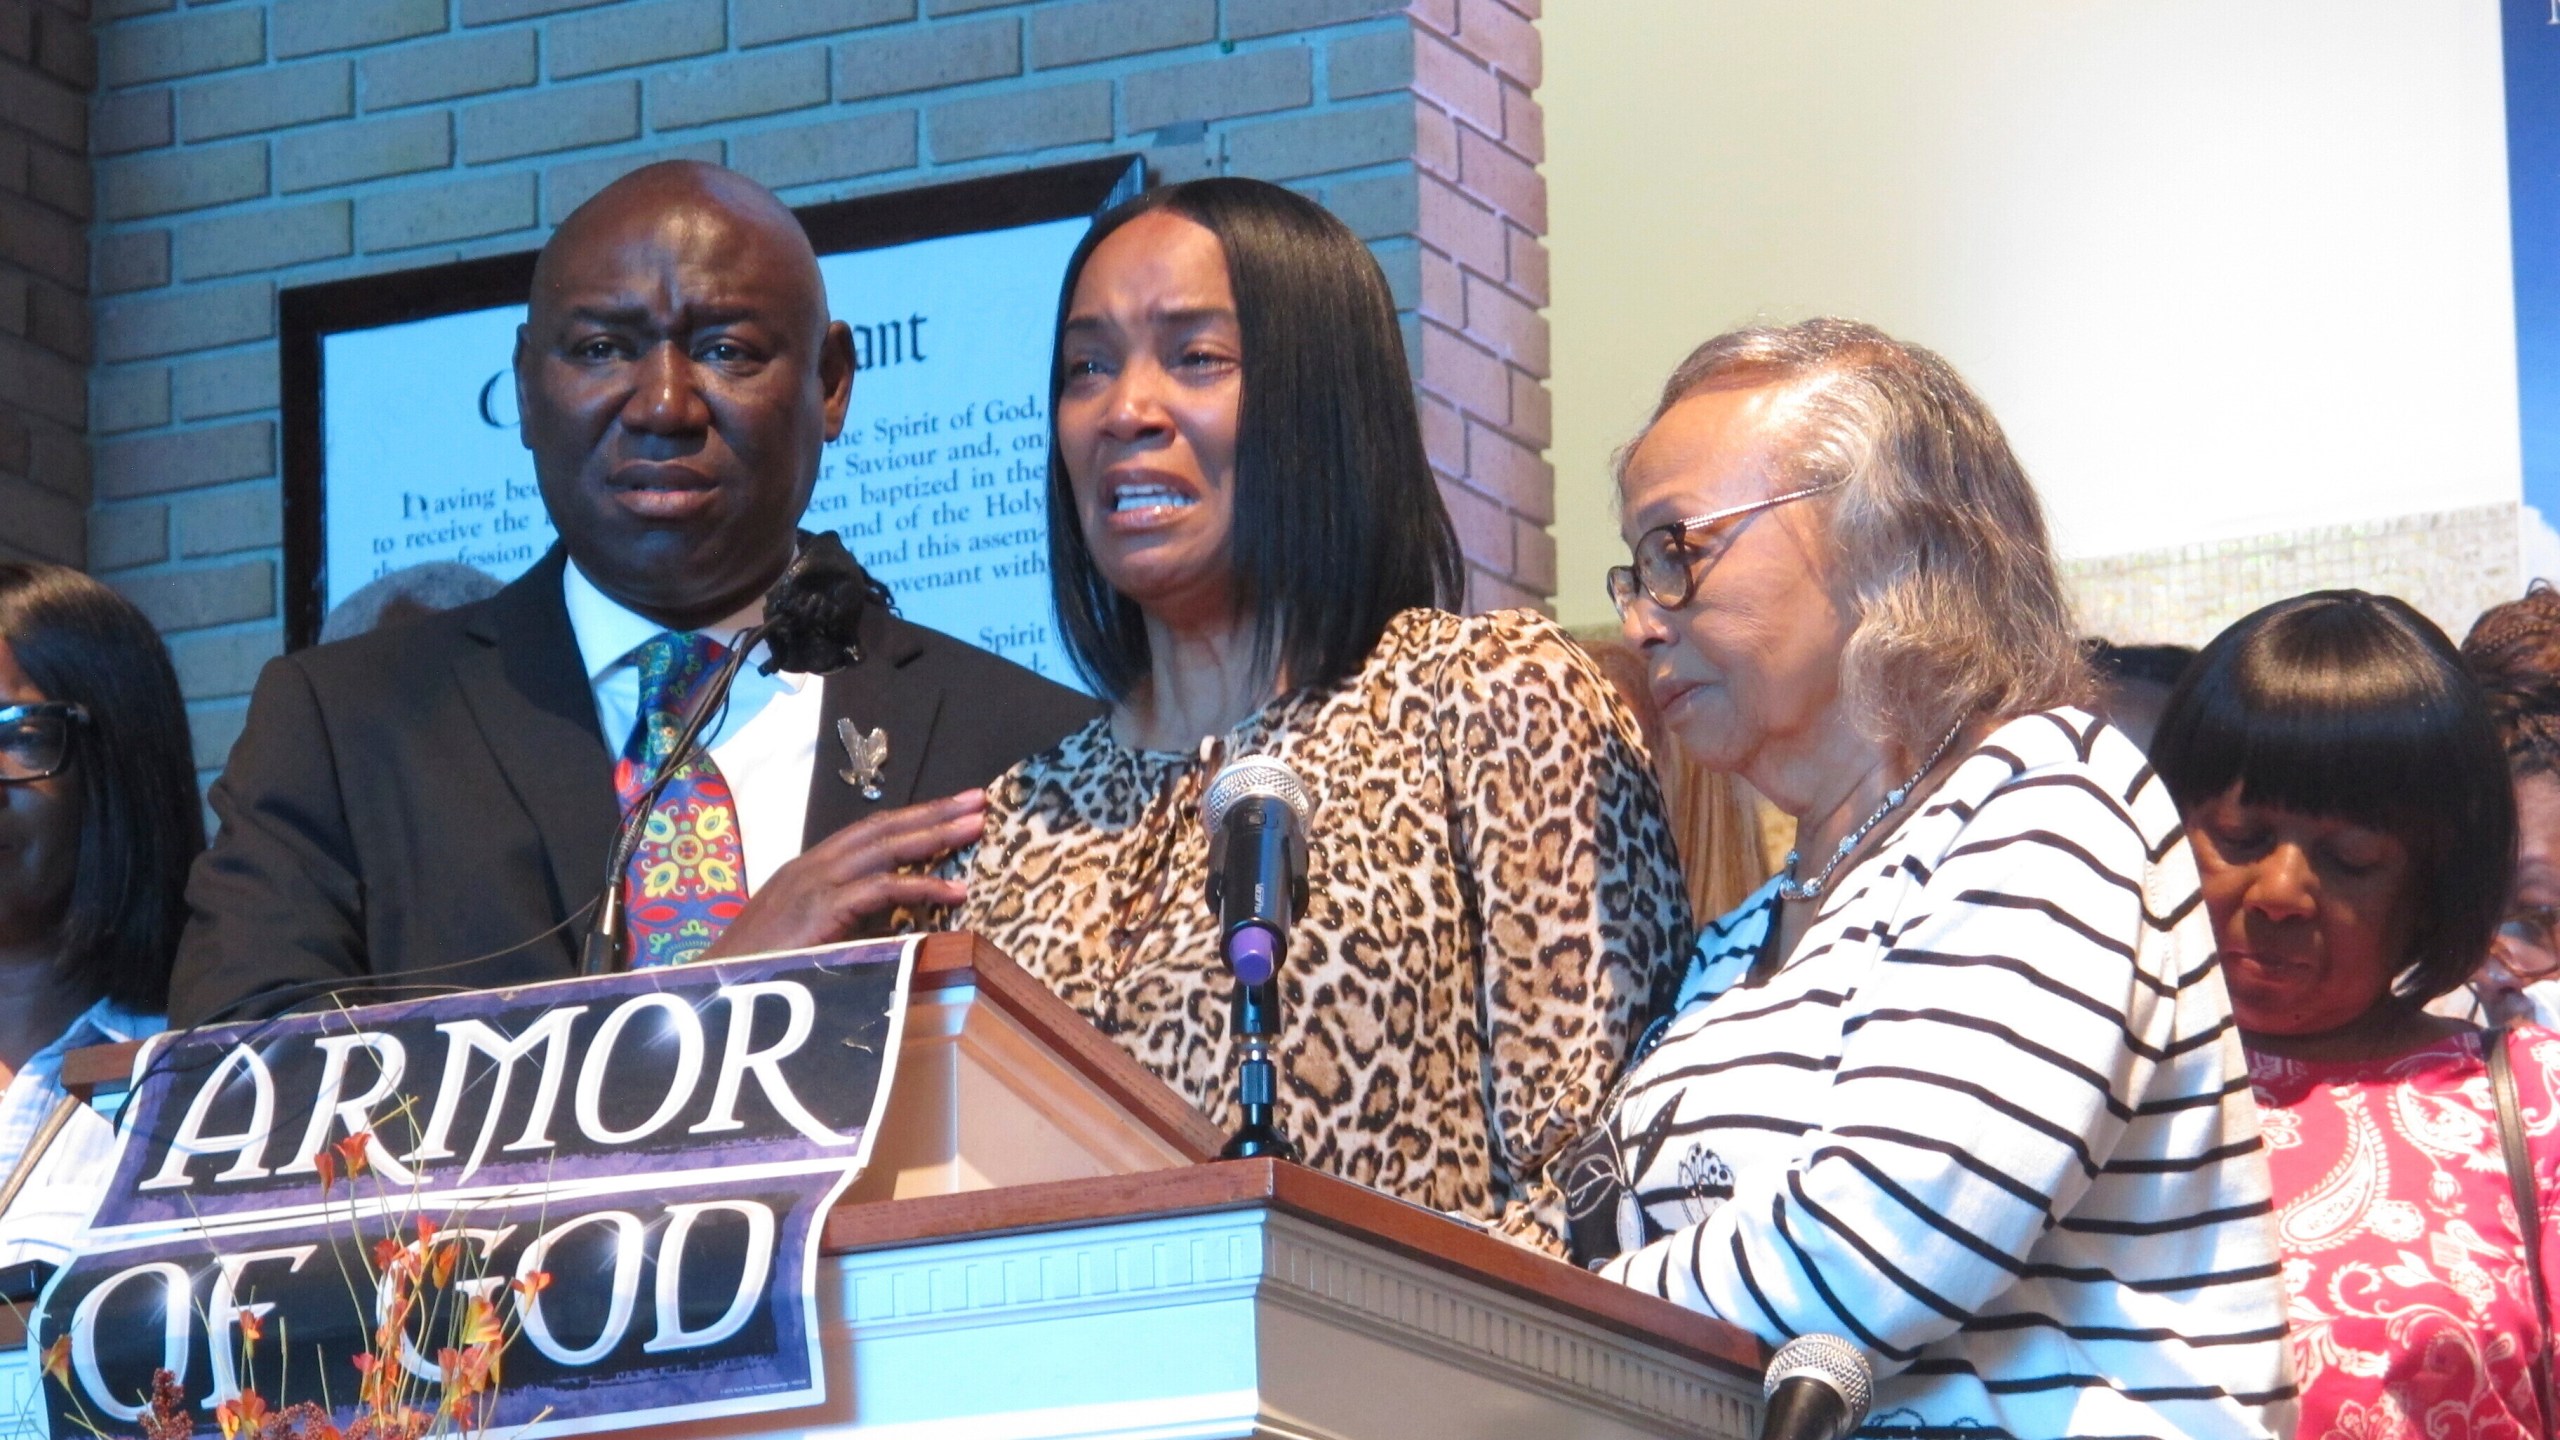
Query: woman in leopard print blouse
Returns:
{"type": "Point", "coordinates": [1249, 552]}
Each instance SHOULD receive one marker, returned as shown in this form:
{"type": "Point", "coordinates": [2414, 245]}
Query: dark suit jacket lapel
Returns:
{"type": "Point", "coordinates": [527, 686]}
{"type": "Point", "coordinates": [883, 692]}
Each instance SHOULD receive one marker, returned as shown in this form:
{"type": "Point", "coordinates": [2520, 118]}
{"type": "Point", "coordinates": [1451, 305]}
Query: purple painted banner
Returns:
{"type": "Point", "coordinates": [498, 1136]}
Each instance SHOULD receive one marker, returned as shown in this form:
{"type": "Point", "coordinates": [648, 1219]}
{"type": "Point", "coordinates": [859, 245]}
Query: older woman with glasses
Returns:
{"type": "Point", "coordinates": [1960, 1084]}
{"type": "Point", "coordinates": [98, 822]}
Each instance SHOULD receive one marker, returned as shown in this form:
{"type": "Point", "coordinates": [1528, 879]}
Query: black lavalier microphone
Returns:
{"type": "Point", "coordinates": [1818, 1388]}
{"type": "Point", "coordinates": [1256, 810]}
{"type": "Point", "coordinates": [811, 626]}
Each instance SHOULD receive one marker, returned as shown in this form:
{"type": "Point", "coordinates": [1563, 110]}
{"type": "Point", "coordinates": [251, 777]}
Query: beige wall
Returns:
{"type": "Point", "coordinates": [2173, 241]}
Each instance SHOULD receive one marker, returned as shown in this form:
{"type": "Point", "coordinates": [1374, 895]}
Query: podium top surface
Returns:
{"type": "Point", "coordinates": [1310, 1195]}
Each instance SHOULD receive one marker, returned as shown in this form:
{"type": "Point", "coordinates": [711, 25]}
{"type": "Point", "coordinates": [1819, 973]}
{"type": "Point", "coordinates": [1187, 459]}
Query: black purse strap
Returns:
{"type": "Point", "coordinates": [2502, 1087]}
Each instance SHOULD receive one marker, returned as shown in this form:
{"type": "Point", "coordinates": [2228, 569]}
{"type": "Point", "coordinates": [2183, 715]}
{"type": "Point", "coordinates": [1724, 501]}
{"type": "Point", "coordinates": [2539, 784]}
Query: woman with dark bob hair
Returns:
{"type": "Point", "coordinates": [2352, 815]}
{"type": "Point", "coordinates": [99, 821]}
{"type": "Point", "coordinates": [1250, 557]}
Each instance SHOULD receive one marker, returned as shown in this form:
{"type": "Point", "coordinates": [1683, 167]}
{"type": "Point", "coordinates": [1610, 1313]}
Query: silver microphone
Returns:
{"type": "Point", "coordinates": [1818, 1388]}
{"type": "Point", "coordinates": [1256, 810]}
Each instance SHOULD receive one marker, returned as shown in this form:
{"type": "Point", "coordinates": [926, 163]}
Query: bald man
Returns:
{"type": "Point", "coordinates": [431, 806]}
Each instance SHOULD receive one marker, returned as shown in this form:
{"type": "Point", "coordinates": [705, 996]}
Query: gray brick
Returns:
{"type": "Point", "coordinates": [192, 179]}
{"type": "Point", "coordinates": [43, 383]}
{"type": "Point", "coordinates": [1021, 121]}
{"type": "Point", "coordinates": [640, 34]}
{"type": "Point", "coordinates": [186, 459]}
{"type": "Point", "coordinates": [765, 22]}
{"type": "Point", "coordinates": [199, 42]}
{"type": "Point", "coordinates": [549, 120]}
{"type": "Point", "coordinates": [834, 150]}
{"type": "Point", "coordinates": [761, 84]}
{"type": "Point", "coordinates": [1378, 206]}
{"type": "Point", "coordinates": [265, 240]}
{"type": "Point", "coordinates": [308, 27]}
{"type": "Point", "coordinates": [132, 260]}
{"type": "Point", "coordinates": [270, 99]}
{"type": "Point", "coordinates": [129, 398]}
{"type": "Point", "coordinates": [123, 536]}
{"type": "Point", "coordinates": [214, 729]}
{"type": "Point", "coordinates": [43, 106]}
{"type": "Point", "coordinates": [366, 150]}
{"type": "Point", "coordinates": [463, 210]}
{"type": "Point", "coordinates": [231, 384]}
{"type": "Point", "coordinates": [214, 666]}
{"type": "Point", "coordinates": [134, 120]}
{"type": "Point", "coordinates": [489, 12]}
{"type": "Point", "coordinates": [1249, 19]}
{"type": "Point", "coordinates": [1371, 63]}
{"type": "Point", "coordinates": [1276, 79]}
{"type": "Point", "coordinates": [444, 69]}
{"type": "Point", "coordinates": [58, 320]}
{"type": "Point", "coordinates": [1075, 32]}
{"type": "Point", "coordinates": [566, 187]}
{"type": "Point", "coordinates": [1372, 134]}
{"type": "Point", "coordinates": [248, 517]}
{"type": "Point", "coordinates": [60, 179]}
{"type": "Point", "coordinates": [47, 243]}
{"type": "Point", "coordinates": [196, 599]}
{"type": "Point", "coordinates": [66, 48]}
{"type": "Point", "coordinates": [933, 58]}
{"type": "Point", "coordinates": [196, 319]}
{"type": "Point", "coordinates": [41, 524]}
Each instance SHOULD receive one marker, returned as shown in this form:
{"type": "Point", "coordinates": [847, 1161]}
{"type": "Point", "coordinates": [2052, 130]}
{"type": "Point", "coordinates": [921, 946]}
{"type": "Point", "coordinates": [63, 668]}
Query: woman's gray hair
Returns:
{"type": "Point", "coordinates": [1959, 608]}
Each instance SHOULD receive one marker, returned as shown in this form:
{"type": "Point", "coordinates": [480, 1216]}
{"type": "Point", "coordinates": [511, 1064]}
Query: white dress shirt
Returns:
{"type": "Point", "coordinates": [52, 1209]}
{"type": "Point", "coordinates": [766, 746]}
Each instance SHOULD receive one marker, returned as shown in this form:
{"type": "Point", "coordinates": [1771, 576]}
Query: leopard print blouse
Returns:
{"type": "Point", "coordinates": [1494, 908]}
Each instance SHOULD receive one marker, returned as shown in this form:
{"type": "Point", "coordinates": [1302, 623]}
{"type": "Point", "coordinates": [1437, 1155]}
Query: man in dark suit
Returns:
{"type": "Point", "coordinates": [430, 806]}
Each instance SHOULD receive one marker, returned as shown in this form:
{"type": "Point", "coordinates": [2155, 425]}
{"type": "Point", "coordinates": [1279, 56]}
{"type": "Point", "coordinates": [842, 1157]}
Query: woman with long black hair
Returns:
{"type": "Point", "coordinates": [99, 821]}
{"type": "Point", "coordinates": [1251, 556]}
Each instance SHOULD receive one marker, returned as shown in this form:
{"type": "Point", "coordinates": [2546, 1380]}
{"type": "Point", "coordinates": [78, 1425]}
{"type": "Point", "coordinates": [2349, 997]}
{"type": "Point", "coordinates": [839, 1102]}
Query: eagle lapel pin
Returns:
{"type": "Point", "coordinates": [864, 755]}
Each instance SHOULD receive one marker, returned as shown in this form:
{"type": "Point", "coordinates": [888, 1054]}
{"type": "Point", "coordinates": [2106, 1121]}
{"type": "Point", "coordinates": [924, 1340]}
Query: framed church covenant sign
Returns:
{"type": "Point", "coordinates": [400, 426]}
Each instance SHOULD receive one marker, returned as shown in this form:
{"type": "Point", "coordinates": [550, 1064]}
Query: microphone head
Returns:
{"type": "Point", "coordinates": [1255, 777]}
{"type": "Point", "coordinates": [813, 613]}
{"type": "Point", "coordinates": [1831, 1360]}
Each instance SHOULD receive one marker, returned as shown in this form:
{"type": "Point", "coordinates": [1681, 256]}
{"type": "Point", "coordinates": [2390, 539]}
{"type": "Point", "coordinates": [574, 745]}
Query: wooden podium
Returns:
{"type": "Point", "coordinates": [1044, 1247]}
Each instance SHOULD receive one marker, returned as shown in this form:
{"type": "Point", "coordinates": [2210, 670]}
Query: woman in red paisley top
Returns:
{"type": "Point", "coordinates": [2349, 805]}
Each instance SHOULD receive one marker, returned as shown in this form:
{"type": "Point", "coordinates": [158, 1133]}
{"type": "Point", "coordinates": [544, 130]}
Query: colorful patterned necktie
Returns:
{"type": "Point", "coordinates": [688, 877]}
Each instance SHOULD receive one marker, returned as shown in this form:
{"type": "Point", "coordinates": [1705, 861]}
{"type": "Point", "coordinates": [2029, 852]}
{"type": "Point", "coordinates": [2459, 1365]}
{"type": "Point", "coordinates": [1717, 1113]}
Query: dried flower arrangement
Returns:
{"type": "Point", "coordinates": [411, 1279]}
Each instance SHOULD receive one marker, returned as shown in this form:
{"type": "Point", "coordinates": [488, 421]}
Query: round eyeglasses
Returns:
{"type": "Point", "coordinates": [1666, 569]}
{"type": "Point", "coordinates": [2532, 936]}
{"type": "Point", "coordinates": [35, 740]}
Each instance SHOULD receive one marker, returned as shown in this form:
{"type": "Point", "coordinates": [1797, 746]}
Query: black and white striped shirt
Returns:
{"type": "Point", "coordinates": [1990, 1121]}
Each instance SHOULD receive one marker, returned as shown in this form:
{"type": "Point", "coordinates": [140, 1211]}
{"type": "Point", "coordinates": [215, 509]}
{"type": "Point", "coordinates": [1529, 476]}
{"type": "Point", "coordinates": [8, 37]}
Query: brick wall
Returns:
{"type": "Point", "coordinates": [47, 64]}
{"type": "Point", "coordinates": [243, 146]}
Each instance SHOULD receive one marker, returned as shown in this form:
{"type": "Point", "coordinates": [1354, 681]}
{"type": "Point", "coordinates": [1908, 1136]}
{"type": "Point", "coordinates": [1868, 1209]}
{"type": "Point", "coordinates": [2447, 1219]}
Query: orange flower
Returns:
{"type": "Point", "coordinates": [57, 1360]}
{"type": "Point", "coordinates": [533, 1283]}
{"type": "Point", "coordinates": [252, 1329]}
{"type": "Point", "coordinates": [325, 1161]}
{"type": "Point", "coordinates": [480, 1324]}
{"type": "Point", "coordinates": [247, 1412]}
{"type": "Point", "coordinates": [353, 1150]}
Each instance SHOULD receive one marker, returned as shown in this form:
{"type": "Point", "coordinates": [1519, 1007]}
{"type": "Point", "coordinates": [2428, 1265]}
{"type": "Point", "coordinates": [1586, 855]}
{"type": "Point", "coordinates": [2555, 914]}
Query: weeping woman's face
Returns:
{"type": "Point", "coordinates": [39, 827]}
{"type": "Point", "coordinates": [1153, 359]}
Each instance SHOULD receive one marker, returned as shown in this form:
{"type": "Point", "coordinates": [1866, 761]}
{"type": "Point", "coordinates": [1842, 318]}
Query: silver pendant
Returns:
{"type": "Point", "coordinates": [864, 755]}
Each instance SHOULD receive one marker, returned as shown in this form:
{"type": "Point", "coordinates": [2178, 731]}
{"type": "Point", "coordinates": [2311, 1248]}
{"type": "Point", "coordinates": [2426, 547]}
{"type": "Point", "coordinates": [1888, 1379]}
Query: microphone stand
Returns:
{"type": "Point", "coordinates": [1256, 1014]}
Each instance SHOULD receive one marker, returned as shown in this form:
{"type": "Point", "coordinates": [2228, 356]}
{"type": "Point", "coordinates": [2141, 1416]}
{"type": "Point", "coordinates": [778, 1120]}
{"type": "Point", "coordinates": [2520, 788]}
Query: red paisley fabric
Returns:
{"type": "Point", "coordinates": [2412, 1313]}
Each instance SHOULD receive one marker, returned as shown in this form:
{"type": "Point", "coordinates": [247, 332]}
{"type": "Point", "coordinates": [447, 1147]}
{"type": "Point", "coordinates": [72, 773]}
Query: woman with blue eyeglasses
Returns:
{"type": "Point", "coordinates": [1959, 1086]}
{"type": "Point", "coordinates": [99, 820]}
